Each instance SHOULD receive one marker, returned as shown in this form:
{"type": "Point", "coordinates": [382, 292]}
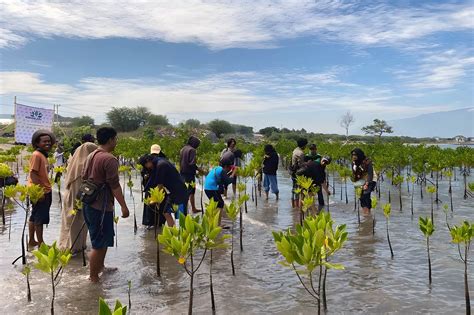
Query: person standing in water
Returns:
{"type": "Point", "coordinates": [42, 142]}
{"type": "Point", "coordinates": [317, 172]}
{"type": "Point", "coordinates": [297, 160]}
{"type": "Point", "coordinates": [313, 153]}
{"type": "Point", "coordinates": [188, 168]}
{"type": "Point", "coordinates": [231, 152]}
{"type": "Point", "coordinates": [270, 167]}
{"type": "Point", "coordinates": [72, 224]}
{"type": "Point", "coordinates": [102, 169]}
{"type": "Point", "coordinates": [363, 175]}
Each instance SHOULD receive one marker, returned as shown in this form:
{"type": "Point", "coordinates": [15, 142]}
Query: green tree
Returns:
{"type": "Point", "coordinates": [220, 127]}
{"type": "Point", "coordinates": [157, 120]}
{"type": "Point", "coordinates": [192, 123]}
{"type": "Point", "coordinates": [125, 119]}
{"type": "Point", "coordinates": [378, 128]}
{"type": "Point", "coordinates": [82, 121]}
{"type": "Point", "coordinates": [267, 131]}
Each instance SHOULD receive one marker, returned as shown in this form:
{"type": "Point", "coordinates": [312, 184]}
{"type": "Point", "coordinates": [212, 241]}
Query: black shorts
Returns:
{"type": "Point", "coordinates": [214, 194]}
{"type": "Point", "coordinates": [188, 179]}
{"type": "Point", "coordinates": [101, 227]}
{"type": "Point", "coordinates": [40, 212]}
{"type": "Point", "coordinates": [365, 200]}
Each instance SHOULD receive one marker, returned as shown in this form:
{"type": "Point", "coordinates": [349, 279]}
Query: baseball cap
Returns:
{"type": "Point", "coordinates": [155, 149]}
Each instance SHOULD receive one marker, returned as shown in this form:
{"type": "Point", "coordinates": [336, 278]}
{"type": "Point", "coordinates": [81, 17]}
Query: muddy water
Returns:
{"type": "Point", "coordinates": [372, 282]}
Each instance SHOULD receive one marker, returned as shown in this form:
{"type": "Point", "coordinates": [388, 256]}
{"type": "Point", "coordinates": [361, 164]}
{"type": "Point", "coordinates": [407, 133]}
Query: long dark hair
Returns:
{"type": "Point", "coordinates": [360, 156]}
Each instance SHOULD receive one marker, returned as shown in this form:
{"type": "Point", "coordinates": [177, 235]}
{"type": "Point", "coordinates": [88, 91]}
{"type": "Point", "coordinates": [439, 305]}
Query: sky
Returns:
{"type": "Point", "coordinates": [295, 64]}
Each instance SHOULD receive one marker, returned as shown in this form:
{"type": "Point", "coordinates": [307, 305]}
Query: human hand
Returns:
{"type": "Point", "coordinates": [125, 212]}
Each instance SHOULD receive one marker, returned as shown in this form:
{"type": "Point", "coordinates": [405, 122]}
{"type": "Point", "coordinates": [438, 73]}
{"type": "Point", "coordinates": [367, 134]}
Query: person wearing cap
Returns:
{"type": "Point", "coordinates": [188, 168]}
{"type": "Point", "coordinates": [297, 160]}
{"type": "Point", "coordinates": [217, 178]}
{"type": "Point", "coordinates": [313, 153]}
{"type": "Point", "coordinates": [363, 174]}
{"type": "Point", "coordinates": [42, 141]}
{"type": "Point", "coordinates": [317, 172]}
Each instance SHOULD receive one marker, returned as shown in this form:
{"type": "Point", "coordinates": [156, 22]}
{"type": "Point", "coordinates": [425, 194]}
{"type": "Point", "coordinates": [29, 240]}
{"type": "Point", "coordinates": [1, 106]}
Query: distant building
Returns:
{"type": "Point", "coordinates": [460, 139]}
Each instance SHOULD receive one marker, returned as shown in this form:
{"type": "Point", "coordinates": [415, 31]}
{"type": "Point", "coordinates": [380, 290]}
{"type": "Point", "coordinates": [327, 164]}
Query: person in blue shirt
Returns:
{"type": "Point", "coordinates": [219, 176]}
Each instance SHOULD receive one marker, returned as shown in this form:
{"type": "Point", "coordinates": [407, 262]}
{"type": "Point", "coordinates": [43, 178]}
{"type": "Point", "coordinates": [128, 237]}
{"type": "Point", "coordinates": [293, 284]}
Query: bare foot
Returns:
{"type": "Point", "coordinates": [108, 269]}
{"type": "Point", "coordinates": [32, 244]}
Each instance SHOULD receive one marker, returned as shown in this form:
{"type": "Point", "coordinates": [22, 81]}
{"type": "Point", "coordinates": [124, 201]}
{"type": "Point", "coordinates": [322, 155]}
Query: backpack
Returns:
{"type": "Point", "coordinates": [89, 191]}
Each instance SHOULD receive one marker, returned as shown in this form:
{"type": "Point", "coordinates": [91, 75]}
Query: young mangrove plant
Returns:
{"type": "Point", "coordinates": [104, 308]}
{"type": "Point", "coordinates": [305, 186]}
{"type": "Point", "coordinates": [23, 195]}
{"type": "Point", "coordinates": [412, 179]}
{"type": "Point", "coordinates": [462, 235]}
{"type": "Point", "coordinates": [59, 170]}
{"type": "Point", "coordinates": [398, 181]}
{"type": "Point", "coordinates": [387, 209]}
{"type": "Point", "coordinates": [243, 198]}
{"type": "Point", "coordinates": [427, 228]}
{"type": "Point", "coordinates": [49, 258]}
{"type": "Point", "coordinates": [213, 239]}
{"type": "Point", "coordinates": [157, 196]}
{"type": "Point", "coordinates": [192, 235]}
{"type": "Point", "coordinates": [116, 220]}
{"type": "Point", "coordinates": [449, 175]}
{"type": "Point", "coordinates": [431, 190]}
{"type": "Point", "coordinates": [374, 203]}
{"type": "Point", "coordinates": [26, 272]}
{"type": "Point", "coordinates": [310, 247]}
{"type": "Point", "coordinates": [130, 187]}
{"type": "Point", "coordinates": [232, 211]}
{"type": "Point", "coordinates": [5, 171]}
{"type": "Point", "coordinates": [357, 195]}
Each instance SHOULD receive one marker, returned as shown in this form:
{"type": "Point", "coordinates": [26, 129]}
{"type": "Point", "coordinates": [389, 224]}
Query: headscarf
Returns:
{"type": "Point", "coordinates": [360, 156]}
{"type": "Point", "coordinates": [77, 161]}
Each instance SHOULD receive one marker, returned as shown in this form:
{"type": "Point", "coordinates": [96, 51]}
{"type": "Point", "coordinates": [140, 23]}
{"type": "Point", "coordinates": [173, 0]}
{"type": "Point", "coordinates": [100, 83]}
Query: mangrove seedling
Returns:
{"type": "Point", "coordinates": [49, 258]}
{"type": "Point", "coordinates": [23, 195]}
{"type": "Point", "coordinates": [310, 247]}
{"type": "Point", "coordinates": [213, 239]}
{"type": "Point", "coordinates": [59, 170]}
{"type": "Point", "coordinates": [462, 235]}
{"type": "Point", "coordinates": [374, 203]}
{"type": "Point", "coordinates": [26, 272]}
{"type": "Point", "coordinates": [129, 292]}
{"type": "Point", "coordinates": [5, 171]}
{"type": "Point", "coordinates": [157, 196]}
{"type": "Point", "coordinates": [182, 243]}
{"type": "Point", "coordinates": [413, 181]}
{"type": "Point", "coordinates": [387, 209]}
{"type": "Point", "coordinates": [104, 308]}
{"type": "Point", "coordinates": [130, 187]}
{"type": "Point", "coordinates": [357, 195]}
{"type": "Point", "coordinates": [116, 219]}
{"type": "Point", "coordinates": [398, 181]}
{"type": "Point", "coordinates": [431, 190]}
{"type": "Point", "coordinates": [232, 211]}
{"type": "Point", "coordinates": [427, 228]}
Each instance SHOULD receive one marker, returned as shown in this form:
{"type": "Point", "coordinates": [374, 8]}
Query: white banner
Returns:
{"type": "Point", "coordinates": [29, 119]}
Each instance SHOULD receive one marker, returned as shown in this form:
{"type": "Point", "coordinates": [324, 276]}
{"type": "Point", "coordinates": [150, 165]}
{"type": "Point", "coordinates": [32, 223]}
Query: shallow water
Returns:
{"type": "Point", "coordinates": [371, 283]}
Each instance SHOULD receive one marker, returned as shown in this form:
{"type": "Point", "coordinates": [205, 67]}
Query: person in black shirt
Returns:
{"type": "Point", "coordinates": [270, 166]}
{"type": "Point", "coordinates": [164, 175]}
{"type": "Point", "coordinates": [317, 172]}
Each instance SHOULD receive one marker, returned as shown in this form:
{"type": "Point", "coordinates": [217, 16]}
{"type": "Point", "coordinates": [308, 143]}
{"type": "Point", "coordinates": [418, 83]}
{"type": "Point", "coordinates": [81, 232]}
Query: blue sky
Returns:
{"type": "Point", "coordinates": [298, 64]}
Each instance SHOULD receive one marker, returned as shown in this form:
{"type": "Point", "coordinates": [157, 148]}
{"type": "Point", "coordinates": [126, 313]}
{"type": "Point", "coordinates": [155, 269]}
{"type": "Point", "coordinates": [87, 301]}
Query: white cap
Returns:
{"type": "Point", "coordinates": [155, 149]}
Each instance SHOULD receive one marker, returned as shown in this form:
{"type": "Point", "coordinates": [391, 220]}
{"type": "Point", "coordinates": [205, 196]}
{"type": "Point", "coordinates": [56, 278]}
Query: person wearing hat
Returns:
{"type": "Point", "coordinates": [42, 141]}
{"type": "Point", "coordinates": [317, 172]}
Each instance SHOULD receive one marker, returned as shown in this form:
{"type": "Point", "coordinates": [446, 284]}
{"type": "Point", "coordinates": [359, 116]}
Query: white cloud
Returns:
{"type": "Point", "coordinates": [217, 95]}
{"type": "Point", "coordinates": [225, 24]}
{"type": "Point", "coordinates": [438, 70]}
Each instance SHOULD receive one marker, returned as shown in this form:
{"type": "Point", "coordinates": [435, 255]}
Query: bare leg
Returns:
{"type": "Point", "coordinates": [96, 263]}
{"type": "Point", "coordinates": [234, 189]}
{"type": "Point", "coordinates": [169, 219]}
{"type": "Point", "coordinates": [365, 211]}
{"type": "Point", "coordinates": [277, 196]}
{"type": "Point", "coordinates": [31, 235]}
{"type": "Point", "coordinates": [39, 233]}
{"type": "Point", "coordinates": [193, 203]}
{"type": "Point", "coordinates": [266, 195]}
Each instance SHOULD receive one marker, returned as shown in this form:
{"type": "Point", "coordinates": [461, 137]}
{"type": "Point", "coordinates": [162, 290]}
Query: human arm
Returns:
{"type": "Point", "coordinates": [113, 181]}
{"type": "Point", "coordinates": [117, 192]}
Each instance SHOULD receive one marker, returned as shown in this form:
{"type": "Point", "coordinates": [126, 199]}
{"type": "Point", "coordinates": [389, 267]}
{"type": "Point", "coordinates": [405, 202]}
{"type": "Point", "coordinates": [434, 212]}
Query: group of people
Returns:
{"type": "Point", "coordinates": [94, 164]}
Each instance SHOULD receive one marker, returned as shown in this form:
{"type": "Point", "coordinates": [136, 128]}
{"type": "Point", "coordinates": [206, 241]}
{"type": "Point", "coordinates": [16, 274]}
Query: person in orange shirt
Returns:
{"type": "Point", "coordinates": [42, 142]}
